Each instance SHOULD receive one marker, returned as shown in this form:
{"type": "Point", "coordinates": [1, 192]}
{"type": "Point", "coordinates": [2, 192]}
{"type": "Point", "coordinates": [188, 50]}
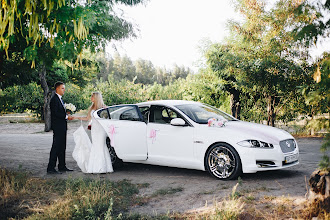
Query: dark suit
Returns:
{"type": "Point", "coordinates": [59, 127]}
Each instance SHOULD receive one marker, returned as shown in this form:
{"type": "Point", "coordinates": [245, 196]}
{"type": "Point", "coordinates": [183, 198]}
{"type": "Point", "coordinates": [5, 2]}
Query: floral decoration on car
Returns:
{"type": "Point", "coordinates": [216, 122]}
{"type": "Point", "coordinates": [70, 108]}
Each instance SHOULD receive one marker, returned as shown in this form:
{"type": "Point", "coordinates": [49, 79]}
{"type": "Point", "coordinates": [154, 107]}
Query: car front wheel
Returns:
{"type": "Point", "coordinates": [223, 162]}
{"type": "Point", "coordinates": [115, 160]}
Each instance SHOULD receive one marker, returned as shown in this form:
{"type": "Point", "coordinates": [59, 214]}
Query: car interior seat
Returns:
{"type": "Point", "coordinates": [158, 117]}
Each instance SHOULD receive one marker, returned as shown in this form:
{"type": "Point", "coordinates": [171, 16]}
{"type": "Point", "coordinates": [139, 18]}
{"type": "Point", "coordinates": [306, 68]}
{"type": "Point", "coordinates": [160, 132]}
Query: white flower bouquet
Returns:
{"type": "Point", "coordinates": [70, 108]}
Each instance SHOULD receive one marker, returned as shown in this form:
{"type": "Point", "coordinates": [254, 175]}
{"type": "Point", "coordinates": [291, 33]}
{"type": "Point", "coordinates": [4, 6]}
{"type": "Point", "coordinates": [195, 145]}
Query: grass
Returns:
{"type": "Point", "coordinates": [167, 191]}
{"type": "Point", "coordinates": [23, 196]}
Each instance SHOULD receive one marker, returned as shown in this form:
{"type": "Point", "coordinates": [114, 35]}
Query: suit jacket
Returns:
{"type": "Point", "coordinates": [58, 114]}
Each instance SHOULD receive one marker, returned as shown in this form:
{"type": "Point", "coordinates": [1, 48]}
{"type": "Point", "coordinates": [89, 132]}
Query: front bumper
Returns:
{"type": "Point", "coordinates": [254, 159]}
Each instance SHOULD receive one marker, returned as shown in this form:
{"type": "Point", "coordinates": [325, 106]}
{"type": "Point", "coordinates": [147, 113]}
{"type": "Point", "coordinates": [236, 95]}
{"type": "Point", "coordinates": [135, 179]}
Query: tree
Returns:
{"type": "Point", "coordinates": [260, 56]}
{"type": "Point", "coordinates": [225, 64]}
{"type": "Point", "coordinates": [145, 72]}
{"type": "Point", "coordinates": [59, 30]}
{"type": "Point", "coordinates": [316, 93]}
{"type": "Point", "coordinates": [308, 31]}
{"type": "Point", "coordinates": [123, 68]}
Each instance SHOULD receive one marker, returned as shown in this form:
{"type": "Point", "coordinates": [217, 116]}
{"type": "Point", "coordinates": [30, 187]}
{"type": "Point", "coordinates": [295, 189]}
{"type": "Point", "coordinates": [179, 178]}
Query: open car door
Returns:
{"type": "Point", "coordinates": [126, 130]}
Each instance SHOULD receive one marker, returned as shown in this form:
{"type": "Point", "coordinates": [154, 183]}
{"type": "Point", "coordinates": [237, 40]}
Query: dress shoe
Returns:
{"type": "Point", "coordinates": [65, 169]}
{"type": "Point", "coordinates": [53, 172]}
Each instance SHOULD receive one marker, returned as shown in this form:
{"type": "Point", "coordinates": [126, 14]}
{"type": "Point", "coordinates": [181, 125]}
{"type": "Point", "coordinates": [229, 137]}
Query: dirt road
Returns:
{"type": "Point", "coordinates": [26, 146]}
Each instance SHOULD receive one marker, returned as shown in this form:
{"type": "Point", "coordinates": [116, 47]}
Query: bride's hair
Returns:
{"type": "Point", "coordinates": [98, 103]}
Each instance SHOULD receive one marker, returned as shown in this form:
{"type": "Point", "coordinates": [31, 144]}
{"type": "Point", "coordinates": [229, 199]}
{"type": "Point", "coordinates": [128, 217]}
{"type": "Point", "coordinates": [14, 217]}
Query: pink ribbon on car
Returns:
{"type": "Point", "coordinates": [112, 132]}
{"type": "Point", "coordinates": [153, 135]}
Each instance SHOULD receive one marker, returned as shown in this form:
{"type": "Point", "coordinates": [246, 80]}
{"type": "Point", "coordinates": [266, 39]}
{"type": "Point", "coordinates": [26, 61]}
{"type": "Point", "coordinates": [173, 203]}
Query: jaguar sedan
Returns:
{"type": "Point", "coordinates": [193, 135]}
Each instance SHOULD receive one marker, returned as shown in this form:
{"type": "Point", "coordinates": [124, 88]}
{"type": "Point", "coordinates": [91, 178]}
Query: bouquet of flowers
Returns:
{"type": "Point", "coordinates": [216, 122]}
{"type": "Point", "coordinates": [70, 108]}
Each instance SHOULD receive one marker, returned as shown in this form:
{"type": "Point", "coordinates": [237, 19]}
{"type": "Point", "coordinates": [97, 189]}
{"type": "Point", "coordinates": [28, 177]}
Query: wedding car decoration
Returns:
{"type": "Point", "coordinates": [186, 138]}
{"type": "Point", "coordinates": [216, 122]}
{"type": "Point", "coordinates": [153, 135]}
{"type": "Point", "coordinates": [112, 132]}
{"type": "Point", "coordinates": [70, 108]}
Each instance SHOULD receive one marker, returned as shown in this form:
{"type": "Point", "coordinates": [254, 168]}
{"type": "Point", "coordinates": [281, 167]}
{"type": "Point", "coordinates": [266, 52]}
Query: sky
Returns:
{"type": "Point", "coordinates": [173, 31]}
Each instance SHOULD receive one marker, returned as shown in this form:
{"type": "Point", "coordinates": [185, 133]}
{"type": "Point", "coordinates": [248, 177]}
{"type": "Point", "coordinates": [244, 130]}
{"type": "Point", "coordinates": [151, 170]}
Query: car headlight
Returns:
{"type": "Point", "coordinates": [255, 144]}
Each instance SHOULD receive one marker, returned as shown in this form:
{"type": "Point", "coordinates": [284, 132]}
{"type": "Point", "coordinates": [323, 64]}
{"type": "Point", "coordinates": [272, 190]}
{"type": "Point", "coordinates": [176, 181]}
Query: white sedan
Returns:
{"type": "Point", "coordinates": [193, 135]}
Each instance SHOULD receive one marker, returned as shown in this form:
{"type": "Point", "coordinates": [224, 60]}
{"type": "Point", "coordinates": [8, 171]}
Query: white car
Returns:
{"type": "Point", "coordinates": [193, 135]}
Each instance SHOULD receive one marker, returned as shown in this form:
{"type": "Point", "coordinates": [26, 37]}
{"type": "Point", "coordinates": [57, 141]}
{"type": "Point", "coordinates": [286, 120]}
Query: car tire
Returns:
{"type": "Point", "coordinates": [115, 160]}
{"type": "Point", "coordinates": [223, 162]}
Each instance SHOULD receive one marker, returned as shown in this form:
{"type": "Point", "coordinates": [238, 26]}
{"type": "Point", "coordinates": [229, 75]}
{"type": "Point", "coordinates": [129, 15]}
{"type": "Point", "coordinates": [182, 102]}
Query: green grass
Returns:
{"type": "Point", "coordinates": [23, 196]}
{"type": "Point", "coordinates": [167, 191]}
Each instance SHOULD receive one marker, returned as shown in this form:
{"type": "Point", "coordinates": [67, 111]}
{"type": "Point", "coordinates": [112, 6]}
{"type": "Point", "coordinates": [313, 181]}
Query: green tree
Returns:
{"type": "Point", "coordinates": [260, 55]}
{"type": "Point", "coordinates": [53, 30]}
{"type": "Point", "coordinates": [123, 68]}
{"type": "Point", "coordinates": [308, 31]}
{"type": "Point", "coordinates": [145, 72]}
{"type": "Point", "coordinates": [223, 61]}
{"type": "Point", "coordinates": [316, 94]}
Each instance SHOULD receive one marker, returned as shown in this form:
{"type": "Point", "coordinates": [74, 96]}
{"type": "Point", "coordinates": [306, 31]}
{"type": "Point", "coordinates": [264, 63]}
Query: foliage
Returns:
{"type": "Point", "coordinates": [325, 161]}
{"type": "Point", "coordinates": [76, 95]}
{"type": "Point", "coordinates": [15, 70]}
{"type": "Point", "coordinates": [308, 31]}
{"type": "Point", "coordinates": [258, 60]}
{"type": "Point", "coordinates": [15, 99]}
{"type": "Point", "coordinates": [140, 71]}
{"type": "Point", "coordinates": [66, 26]}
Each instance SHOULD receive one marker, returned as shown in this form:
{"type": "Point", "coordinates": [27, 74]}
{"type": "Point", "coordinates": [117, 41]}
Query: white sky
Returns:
{"type": "Point", "coordinates": [171, 31]}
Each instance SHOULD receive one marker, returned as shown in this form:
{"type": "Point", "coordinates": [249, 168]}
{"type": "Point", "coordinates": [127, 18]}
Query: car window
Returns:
{"type": "Point", "coordinates": [145, 113]}
{"type": "Point", "coordinates": [201, 113]}
{"type": "Point", "coordinates": [103, 113]}
{"type": "Point", "coordinates": [124, 113]}
{"type": "Point", "coordinates": [162, 115]}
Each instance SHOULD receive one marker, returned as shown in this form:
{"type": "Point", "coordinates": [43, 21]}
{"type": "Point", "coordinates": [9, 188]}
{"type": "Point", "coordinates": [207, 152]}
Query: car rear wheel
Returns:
{"type": "Point", "coordinates": [223, 162]}
{"type": "Point", "coordinates": [116, 161]}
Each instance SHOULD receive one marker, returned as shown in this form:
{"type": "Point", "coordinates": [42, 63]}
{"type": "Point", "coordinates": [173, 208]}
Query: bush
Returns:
{"type": "Point", "coordinates": [22, 98]}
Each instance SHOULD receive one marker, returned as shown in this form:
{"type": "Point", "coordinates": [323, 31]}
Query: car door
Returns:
{"type": "Point", "coordinates": [126, 129]}
{"type": "Point", "coordinates": [167, 144]}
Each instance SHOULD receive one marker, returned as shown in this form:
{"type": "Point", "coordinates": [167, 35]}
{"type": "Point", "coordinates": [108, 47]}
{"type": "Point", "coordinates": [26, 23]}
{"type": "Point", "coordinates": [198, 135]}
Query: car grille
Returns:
{"type": "Point", "coordinates": [288, 145]}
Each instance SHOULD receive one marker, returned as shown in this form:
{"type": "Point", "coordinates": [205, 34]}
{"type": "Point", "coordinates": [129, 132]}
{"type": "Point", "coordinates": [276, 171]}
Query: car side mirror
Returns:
{"type": "Point", "coordinates": [178, 122]}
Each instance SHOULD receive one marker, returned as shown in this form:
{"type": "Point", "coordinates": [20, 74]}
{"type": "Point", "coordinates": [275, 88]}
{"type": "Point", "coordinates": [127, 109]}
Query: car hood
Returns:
{"type": "Point", "coordinates": [241, 130]}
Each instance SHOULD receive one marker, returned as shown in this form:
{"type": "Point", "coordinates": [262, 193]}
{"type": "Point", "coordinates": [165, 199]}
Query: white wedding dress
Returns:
{"type": "Point", "coordinates": [92, 157]}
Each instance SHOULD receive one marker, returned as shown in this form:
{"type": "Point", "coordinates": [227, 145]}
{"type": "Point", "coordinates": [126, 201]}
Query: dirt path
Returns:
{"type": "Point", "coordinates": [26, 146]}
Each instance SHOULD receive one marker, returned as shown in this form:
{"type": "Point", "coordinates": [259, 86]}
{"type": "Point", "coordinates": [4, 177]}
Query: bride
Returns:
{"type": "Point", "coordinates": [92, 157]}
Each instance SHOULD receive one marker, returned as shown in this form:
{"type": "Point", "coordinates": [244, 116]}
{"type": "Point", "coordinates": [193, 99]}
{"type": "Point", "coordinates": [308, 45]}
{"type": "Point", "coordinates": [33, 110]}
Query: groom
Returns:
{"type": "Point", "coordinates": [59, 125]}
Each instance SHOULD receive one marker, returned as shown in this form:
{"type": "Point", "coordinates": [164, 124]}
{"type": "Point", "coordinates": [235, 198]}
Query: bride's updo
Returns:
{"type": "Point", "coordinates": [98, 103]}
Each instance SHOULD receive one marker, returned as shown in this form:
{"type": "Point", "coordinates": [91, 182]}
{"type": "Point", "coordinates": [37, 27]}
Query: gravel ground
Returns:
{"type": "Point", "coordinates": [27, 146]}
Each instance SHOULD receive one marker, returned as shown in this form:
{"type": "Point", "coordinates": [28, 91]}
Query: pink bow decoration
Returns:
{"type": "Point", "coordinates": [112, 132]}
{"type": "Point", "coordinates": [153, 135]}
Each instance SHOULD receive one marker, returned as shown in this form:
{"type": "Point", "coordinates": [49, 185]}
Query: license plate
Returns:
{"type": "Point", "coordinates": [291, 158]}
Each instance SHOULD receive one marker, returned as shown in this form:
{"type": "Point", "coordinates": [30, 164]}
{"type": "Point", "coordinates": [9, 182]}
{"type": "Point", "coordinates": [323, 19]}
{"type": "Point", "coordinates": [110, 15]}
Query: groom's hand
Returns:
{"type": "Point", "coordinates": [70, 117]}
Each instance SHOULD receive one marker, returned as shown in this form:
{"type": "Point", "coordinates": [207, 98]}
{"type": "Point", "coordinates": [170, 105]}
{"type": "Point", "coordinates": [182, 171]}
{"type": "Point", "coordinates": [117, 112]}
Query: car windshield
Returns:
{"type": "Point", "coordinates": [201, 113]}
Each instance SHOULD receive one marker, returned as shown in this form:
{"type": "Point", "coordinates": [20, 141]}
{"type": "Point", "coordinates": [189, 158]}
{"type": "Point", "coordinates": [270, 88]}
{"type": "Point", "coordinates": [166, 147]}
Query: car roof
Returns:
{"type": "Point", "coordinates": [168, 102]}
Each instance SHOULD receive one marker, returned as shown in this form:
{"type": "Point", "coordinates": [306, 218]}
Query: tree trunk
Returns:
{"type": "Point", "coordinates": [270, 111]}
{"type": "Point", "coordinates": [312, 132]}
{"type": "Point", "coordinates": [47, 97]}
{"type": "Point", "coordinates": [235, 104]}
